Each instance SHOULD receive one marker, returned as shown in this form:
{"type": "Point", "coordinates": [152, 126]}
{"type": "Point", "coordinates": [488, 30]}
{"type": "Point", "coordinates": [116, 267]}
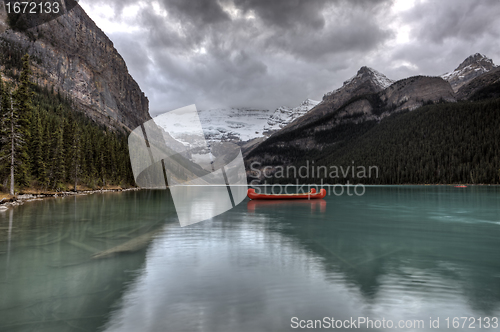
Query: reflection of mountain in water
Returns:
{"type": "Point", "coordinates": [399, 240]}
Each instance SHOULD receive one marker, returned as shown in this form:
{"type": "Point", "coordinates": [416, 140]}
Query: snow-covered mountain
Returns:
{"type": "Point", "coordinates": [469, 69]}
{"type": "Point", "coordinates": [244, 124]}
{"type": "Point", "coordinates": [363, 75]}
{"type": "Point", "coordinates": [285, 115]}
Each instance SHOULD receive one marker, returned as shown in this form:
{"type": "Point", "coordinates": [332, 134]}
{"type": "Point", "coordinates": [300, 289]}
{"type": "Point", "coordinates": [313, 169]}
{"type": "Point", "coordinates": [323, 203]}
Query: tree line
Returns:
{"type": "Point", "coordinates": [46, 144]}
{"type": "Point", "coordinates": [436, 144]}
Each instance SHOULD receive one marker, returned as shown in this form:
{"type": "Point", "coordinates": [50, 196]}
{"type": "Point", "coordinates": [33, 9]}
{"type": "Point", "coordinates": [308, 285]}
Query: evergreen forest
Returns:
{"type": "Point", "coordinates": [48, 145]}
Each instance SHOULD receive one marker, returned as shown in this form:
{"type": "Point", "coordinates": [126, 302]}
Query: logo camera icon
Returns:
{"type": "Point", "coordinates": [205, 178]}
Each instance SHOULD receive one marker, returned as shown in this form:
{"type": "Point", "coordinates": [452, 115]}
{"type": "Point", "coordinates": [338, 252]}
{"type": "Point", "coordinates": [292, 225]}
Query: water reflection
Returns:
{"type": "Point", "coordinates": [398, 253]}
{"type": "Point", "coordinates": [384, 255]}
{"type": "Point", "coordinates": [316, 205]}
{"type": "Point", "coordinates": [9, 236]}
{"type": "Point", "coordinates": [57, 272]}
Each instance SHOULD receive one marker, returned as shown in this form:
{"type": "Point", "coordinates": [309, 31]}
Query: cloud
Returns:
{"type": "Point", "coordinates": [198, 13]}
{"type": "Point", "coordinates": [460, 20]}
{"type": "Point", "coordinates": [263, 54]}
{"type": "Point", "coordinates": [443, 33]}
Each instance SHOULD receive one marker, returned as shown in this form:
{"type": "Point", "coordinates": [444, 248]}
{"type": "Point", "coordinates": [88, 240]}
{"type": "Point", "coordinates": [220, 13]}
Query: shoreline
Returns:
{"type": "Point", "coordinates": [28, 196]}
{"type": "Point", "coordinates": [31, 197]}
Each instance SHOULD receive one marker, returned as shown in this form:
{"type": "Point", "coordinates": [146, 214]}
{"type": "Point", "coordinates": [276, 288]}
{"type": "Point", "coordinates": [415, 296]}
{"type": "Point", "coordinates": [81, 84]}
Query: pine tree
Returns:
{"type": "Point", "coordinates": [47, 155]}
{"type": "Point", "coordinates": [58, 170]}
{"type": "Point", "coordinates": [38, 150]}
{"type": "Point", "coordinates": [22, 99]}
{"type": "Point", "coordinates": [75, 151]}
{"type": "Point", "coordinates": [4, 113]}
{"type": "Point", "coordinates": [12, 137]}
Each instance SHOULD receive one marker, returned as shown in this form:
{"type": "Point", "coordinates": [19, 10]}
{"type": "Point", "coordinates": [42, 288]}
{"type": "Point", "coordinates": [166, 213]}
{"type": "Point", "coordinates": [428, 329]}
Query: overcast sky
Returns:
{"type": "Point", "coordinates": [263, 53]}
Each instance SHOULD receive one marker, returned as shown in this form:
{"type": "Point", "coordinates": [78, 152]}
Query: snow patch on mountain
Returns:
{"type": "Point", "coordinates": [285, 115]}
{"type": "Point", "coordinates": [469, 69]}
{"type": "Point", "coordinates": [381, 79]}
{"type": "Point", "coordinates": [478, 65]}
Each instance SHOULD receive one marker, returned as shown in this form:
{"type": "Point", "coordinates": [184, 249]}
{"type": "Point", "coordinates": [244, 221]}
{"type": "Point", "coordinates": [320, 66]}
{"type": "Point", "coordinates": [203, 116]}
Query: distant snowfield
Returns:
{"type": "Point", "coordinates": [231, 124]}
{"type": "Point", "coordinates": [228, 124]}
{"type": "Point", "coordinates": [246, 124]}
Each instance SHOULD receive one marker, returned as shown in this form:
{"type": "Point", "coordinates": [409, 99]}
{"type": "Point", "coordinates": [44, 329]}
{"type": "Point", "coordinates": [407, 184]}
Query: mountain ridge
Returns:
{"type": "Point", "coordinates": [405, 94]}
{"type": "Point", "coordinates": [362, 102]}
{"type": "Point", "coordinates": [366, 81]}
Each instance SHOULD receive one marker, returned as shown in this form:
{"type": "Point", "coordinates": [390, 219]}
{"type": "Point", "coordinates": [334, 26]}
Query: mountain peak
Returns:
{"type": "Point", "coordinates": [473, 66]}
{"type": "Point", "coordinates": [365, 75]}
{"type": "Point", "coordinates": [479, 59]}
{"type": "Point", "coordinates": [365, 70]}
{"type": "Point", "coordinates": [377, 77]}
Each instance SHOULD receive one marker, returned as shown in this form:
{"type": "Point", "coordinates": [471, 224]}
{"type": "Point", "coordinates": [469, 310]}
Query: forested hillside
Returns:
{"type": "Point", "coordinates": [53, 147]}
{"type": "Point", "coordinates": [445, 143]}
{"type": "Point", "coordinates": [440, 143]}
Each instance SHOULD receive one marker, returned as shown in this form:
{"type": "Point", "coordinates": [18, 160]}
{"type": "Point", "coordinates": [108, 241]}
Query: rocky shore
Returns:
{"type": "Point", "coordinates": [10, 201]}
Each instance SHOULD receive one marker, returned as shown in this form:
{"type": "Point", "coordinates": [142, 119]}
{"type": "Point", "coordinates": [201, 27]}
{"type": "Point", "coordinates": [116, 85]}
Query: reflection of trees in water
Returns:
{"type": "Point", "coordinates": [52, 282]}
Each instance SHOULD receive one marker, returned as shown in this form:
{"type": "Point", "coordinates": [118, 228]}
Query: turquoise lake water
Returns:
{"type": "Point", "coordinates": [121, 262]}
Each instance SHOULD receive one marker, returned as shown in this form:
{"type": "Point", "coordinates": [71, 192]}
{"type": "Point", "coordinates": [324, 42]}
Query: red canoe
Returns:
{"type": "Point", "coordinates": [310, 195]}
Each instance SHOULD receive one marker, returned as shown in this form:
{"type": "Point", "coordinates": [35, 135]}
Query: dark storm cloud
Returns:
{"type": "Point", "coordinates": [263, 54]}
{"type": "Point", "coordinates": [288, 14]}
{"type": "Point", "coordinates": [459, 19]}
{"type": "Point", "coordinates": [294, 14]}
{"type": "Point", "coordinates": [199, 12]}
{"type": "Point", "coordinates": [444, 33]}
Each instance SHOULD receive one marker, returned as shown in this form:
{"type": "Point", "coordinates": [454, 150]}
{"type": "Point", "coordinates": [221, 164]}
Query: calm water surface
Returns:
{"type": "Point", "coordinates": [120, 262]}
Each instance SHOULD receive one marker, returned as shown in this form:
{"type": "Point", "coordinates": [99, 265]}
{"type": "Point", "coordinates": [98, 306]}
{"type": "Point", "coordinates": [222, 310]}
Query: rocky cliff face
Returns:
{"type": "Point", "coordinates": [472, 67]}
{"type": "Point", "coordinates": [413, 92]}
{"type": "Point", "coordinates": [407, 94]}
{"type": "Point", "coordinates": [73, 55]}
